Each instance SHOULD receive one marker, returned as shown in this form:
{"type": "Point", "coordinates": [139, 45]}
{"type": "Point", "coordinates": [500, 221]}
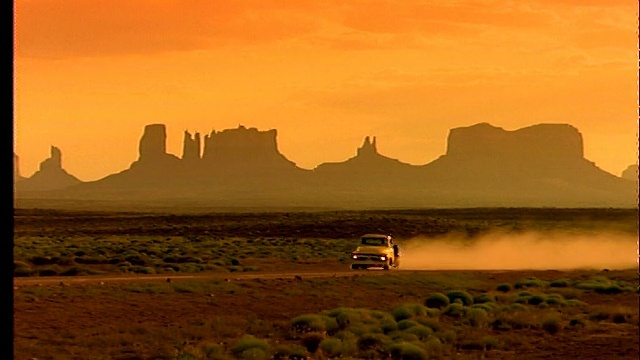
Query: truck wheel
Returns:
{"type": "Point", "coordinates": [386, 267]}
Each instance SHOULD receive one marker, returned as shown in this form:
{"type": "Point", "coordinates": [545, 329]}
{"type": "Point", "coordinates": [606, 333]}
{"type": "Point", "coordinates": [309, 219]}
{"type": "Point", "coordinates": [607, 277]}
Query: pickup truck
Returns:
{"type": "Point", "coordinates": [376, 250]}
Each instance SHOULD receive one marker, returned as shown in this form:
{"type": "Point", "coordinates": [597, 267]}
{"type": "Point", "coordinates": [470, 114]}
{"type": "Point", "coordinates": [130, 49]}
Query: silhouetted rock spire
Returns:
{"type": "Point", "coordinates": [153, 143]}
{"type": "Point", "coordinates": [50, 176]}
{"type": "Point", "coordinates": [368, 147]}
{"type": "Point", "coordinates": [191, 147]}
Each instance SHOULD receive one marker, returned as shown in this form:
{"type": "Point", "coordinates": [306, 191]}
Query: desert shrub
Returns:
{"type": "Point", "coordinates": [405, 324]}
{"type": "Point", "coordinates": [454, 310]}
{"type": "Point", "coordinates": [621, 317]}
{"type": "Point", "coordinates": [430, 323]}
{"type": "Point", "coordinates": [407, 311]}
{"type": "Point", "coordinates": [463, 296]}
{"type": "Point", "coordinates": [477, 317]}
{"type": "Point", "coordinates": [235, 262]}
{"type": "Point", "coordinates": [212, 350]}
{"type": "Point", "coordinates": [407, 351]}
{"type": "Point", "coordinates": [136, 259]}
{"type": "Point", "coordinates": [293, 352]}
{"type": "Point", "coordinates": [388, 326]}
{"type": "Point", "coordinates": [555, 299]}
{"type": "Point", "coordinates": [332, 347]}
{"type": "Point", "coordinates": [484, 298]}
{"type": "Point", "coordinates": [192, 268]}
{"type": "Point", "coordinates": [530, 282]}
{"type": "Point", "coordinates": [500, 324]}
{"type": "Point", "coordinates": [560, 283]}
{"type": "Point", "coordinates": [73, 271]}
{"type": "Point", "coordinates": [608, 289]}
{"type": "Point", "coordinates": [421, 331]}
{"type": "Point", "coordinates": [490, 342]}
{"type": "Point", "coordinates": [552, 325]}
{"type": "Point", "coordinates": [536, 299]}
{"type": "Point", "coordinates": [437, 301]}
{"type": "Point", "coordinates": [20, 264]}
{"type": "Point", "coordinates": [42, 260]}
{"type": "Point", "coordinates": [489, 307]}
{"type": "Point", "coordinates": [254, 354]}
{"type": "Point", "coordinates": [577, 322]}
{"type": "Point", "coordinates": [248, 342]}
{"type": "Point", "coordinates": [516, 307]}
{"type": "Point", "coordinates": [49, 271]}
{"type": "Point", "coordinates": [311, 341]}
{"type": "Point", "coordinates": [399, 336]}
{"type": "Point", "coordinates": [23, 272]}
{"type": "Point", "coordinates": [91, 260]}
{"type": "Point", "coordinates": [143, 270]}
{"type": "Point", "coordinates": [308, 323]}
{"type": "Point", "coordinates": [372, 341]}
{"type": "Point", "coordinates": [504, 287]}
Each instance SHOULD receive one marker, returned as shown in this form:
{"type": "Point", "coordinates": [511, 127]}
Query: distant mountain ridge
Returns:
{"type": "Point", "coordinates": [484, 165]}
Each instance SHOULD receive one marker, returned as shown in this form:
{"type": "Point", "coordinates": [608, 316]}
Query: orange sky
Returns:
{"type": "Point", "coordinates": [90, 74]}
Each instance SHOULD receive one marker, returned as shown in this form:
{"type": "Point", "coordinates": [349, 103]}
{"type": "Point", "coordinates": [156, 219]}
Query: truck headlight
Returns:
{"type": "Point", "coordinates": [354, 256]}
{"type": "Point", "coordinates": [383, 258]}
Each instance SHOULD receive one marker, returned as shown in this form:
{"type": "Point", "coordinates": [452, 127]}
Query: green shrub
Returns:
{"type": "Point", "coordinates": [477, 317]}
{"type": "Point", "coordinates": [430, 323]}
{"type": "Point", "coordinates": [421, 331]}
{"type": "Point", "coordinates": [437, 301]}
{"type": "Point", "coordinates": [388, 326]}
{"type": "Point", "coordinates": [463, 296]}
{"type": "Point", "coordinates": [73, 271]}
{"type": "Point", "coordinates": [286, 352]}
{"type": "Point", "coordinates": [407, 351]}
{"type": "Point", "coordinates": [555, 299]}
{"type": "Point", "coordinates": [454, 310]}
{"type": "Point", "coordinates": [408, 311]}
{"type": "Point", "coordinates": [405, 324]}
{"type": "Point", "coordinates": [560, 283]}
{"type": "Point", "coordinates": [51, 271]}
{"type": "Point", "coordinates": [372, 341]}
{"type": "Point", "coordinates": [504, 287]}
{"type": "Point", "coordinates": [530, 282]}
{"type": "Point", "coordinates": [484, 298]}
{"type": "Point", "coordinates": [254, 354]}
{"type": "Point", "coordinates": [23, 272]}
{"type": "Point", "coordinates": [333, 347]}
{"type": "Point", "coordinates": [143, 270]}
{"type": "Point", "coordinates": [248, 342]}
{"type": "Point", "coordinates": [308, 323]}
{"type": "Point", "coordinates": [536, 299]}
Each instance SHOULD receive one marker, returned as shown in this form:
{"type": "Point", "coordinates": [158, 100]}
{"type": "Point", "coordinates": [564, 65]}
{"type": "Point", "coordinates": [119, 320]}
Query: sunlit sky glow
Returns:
{"type": "Point", "coordinates": [90, 74]}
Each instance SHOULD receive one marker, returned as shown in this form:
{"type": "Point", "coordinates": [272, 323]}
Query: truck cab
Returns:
{"type": "Point", "coordinates": [376, 250]}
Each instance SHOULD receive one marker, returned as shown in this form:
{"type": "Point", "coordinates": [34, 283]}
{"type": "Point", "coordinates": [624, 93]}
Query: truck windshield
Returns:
{"type": "Point", "coordinates": [373, 241]}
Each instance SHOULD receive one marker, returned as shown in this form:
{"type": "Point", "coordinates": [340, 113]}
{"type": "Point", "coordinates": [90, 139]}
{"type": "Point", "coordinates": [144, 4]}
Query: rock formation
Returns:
{"type": "Point", "coordinates": [16, 169]}
{"type": "Point", "coordinates": [50, 176]}
{"type": "Point", "coordinates": [244, 149]}
{"type": "Point", "coordinates": [367, 168]}
{"type": "Point", "coordinates": [540, 165]}
{"type": "Point", "coordinates": [631, 173]}
{"type": "Point", "coordinates": [191, 147]}
{"type": "Point", "coordinates": [153, 143]}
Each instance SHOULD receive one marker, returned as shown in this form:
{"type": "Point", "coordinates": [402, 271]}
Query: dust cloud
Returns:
{"type": "Point", "coordinates": [529, 251]}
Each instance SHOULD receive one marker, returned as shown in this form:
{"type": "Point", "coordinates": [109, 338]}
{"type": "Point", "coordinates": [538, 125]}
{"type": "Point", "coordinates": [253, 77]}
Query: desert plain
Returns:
{"type": "Point", "coordinates": [500, 283]}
